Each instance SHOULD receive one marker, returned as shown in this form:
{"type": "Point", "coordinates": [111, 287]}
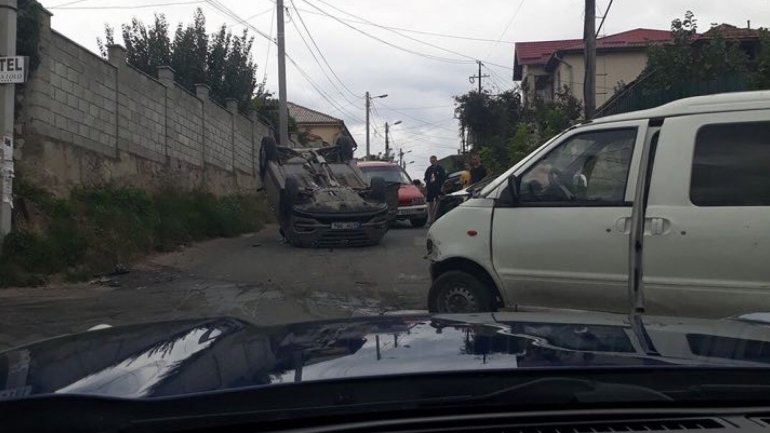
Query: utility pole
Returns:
{"type": "Point", "coordinates": [7, 95]}
{"type": "Point", "coordinates": [283, 110]}
{"type": "Point", "coordinates": [473, 78]}
{"type": "Point", "coordinates": [368, 109]}
{"type": "Point", "coordinates": [463, 138]}
{"type": "Point", "coordinates": [387, 143]}
{"type": "Point", "coordinates": [589, 39]}
{"type": "Point", "coordinates": [368, 102]}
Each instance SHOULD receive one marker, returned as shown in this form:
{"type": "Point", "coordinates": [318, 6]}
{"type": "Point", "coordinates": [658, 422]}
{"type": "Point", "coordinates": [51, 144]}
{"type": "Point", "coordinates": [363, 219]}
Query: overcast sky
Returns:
{"type": "Point", "coordinates": [420, 72]}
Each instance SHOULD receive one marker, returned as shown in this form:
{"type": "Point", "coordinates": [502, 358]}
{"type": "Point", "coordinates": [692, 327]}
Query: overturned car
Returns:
{"type": "Point", "coordinates": [320, 196]}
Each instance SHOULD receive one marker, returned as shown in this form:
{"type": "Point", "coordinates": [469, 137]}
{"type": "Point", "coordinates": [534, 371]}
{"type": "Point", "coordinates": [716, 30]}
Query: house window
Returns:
{"type": "Point", "coordinates": [544, 87]}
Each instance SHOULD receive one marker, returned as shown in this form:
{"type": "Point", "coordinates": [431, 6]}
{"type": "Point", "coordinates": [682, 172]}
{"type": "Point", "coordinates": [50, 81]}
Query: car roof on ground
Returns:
{"type": "Point", "coordinates": [736, 101]}
{"type": "Point", "coordinates": [376, 164]}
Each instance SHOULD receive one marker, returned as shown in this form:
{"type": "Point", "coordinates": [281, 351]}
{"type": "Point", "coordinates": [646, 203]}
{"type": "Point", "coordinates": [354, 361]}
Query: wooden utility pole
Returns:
{"type": "Point", "coordinates": [589, 40]}
{"type": "Point", "coordinates": [473, 78]}
{"type": "Point", "coordinates": [387, 143]}
{"type": "Point", "coordinates": [283, 110]}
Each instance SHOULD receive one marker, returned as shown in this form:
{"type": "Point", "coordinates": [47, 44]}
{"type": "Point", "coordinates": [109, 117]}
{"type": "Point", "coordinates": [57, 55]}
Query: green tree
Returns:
{"type": "Point", "coordinates": [190, 52]}
{"type": "Point", "coordinates": [222, 60]}
{"type": "Point", "coordinates": [688, 58]}
{"type": "Point", "coordinates": [760, 78]}
{"type": "Point", "coordinates": [504, 130]}
{"type": "Point", "coordinates": [28, 31]}
{"type": "Point", "coordinates": [147, 48]}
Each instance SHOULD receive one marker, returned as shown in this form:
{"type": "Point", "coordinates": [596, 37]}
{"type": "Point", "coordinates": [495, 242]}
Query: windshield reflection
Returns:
{"type": "Point", "coordinates": [176, 358]}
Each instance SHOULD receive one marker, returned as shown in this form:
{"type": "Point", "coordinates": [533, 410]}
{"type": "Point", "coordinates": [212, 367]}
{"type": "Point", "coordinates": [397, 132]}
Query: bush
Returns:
{"type": "Point", "coordinates": [101, 227]}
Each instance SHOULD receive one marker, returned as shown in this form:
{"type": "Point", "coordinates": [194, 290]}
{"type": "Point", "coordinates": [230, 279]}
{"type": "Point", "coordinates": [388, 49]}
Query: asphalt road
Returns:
{"type": "Point", "coordinates": [254, 277]}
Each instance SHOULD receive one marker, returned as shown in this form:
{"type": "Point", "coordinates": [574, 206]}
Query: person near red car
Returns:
{"type": "Point", "coordinates": [435, 175]}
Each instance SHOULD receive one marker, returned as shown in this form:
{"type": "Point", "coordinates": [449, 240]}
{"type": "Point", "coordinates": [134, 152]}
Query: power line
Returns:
{"type": "Point", "coordinates": [604, 16]}
{"type": "Point", "coordinates": [249, 18]}
{"type": "Point", "coordinates": [229, 13]}
{"type": "Point", "coordinates": [396, 32]}
{"type": "Point", "coordinates": [468, 60]}
{"type": "Point", "coordinates": [411, 117]}
{"type": "Point", "coordinates": [510, 22]}
{"type": "Point", "coordinates": [323, 94]}
{"type": "Point", "coordinates": [422, 32]}
{"type": "Point", "coordinates": [312, 53]}
{"type": "Point", "coordinates": [400, 48]}
{"type": "Point", "coordinates": [501, 82]}
{"type": "Point", "coordinates": [302, 21]}
{"type": "Point", "coordinates": [269, 45]}
{"type": "Point", "coordinates": [426, 107]}
{"type": "Point", "coordinates": [429, 136]}
{"type": "Point", "coordinates": [149, 5]}
{"type": "Point", "coordinates": [66, 4]}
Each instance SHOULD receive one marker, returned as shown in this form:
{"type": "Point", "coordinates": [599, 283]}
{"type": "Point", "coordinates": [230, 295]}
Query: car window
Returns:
{"type": "Point", "coordinates": [731, 165]}
{"type": "Point", "coordinates": [389, 174]}
{"type": "Point", "coordinates": [587, 168]}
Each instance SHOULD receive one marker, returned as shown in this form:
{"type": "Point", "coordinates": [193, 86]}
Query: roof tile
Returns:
{"type": "Point", "coordinates": [306, 115]}
{"type": "Point", "coordinates": [538, 52]}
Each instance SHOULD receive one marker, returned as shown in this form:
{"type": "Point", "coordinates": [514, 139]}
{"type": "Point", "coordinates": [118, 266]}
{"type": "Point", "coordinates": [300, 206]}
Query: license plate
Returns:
{"type": "Point", "coordinates": [346, 226]}
{"type": "Point", "coordinates": [411, 212]}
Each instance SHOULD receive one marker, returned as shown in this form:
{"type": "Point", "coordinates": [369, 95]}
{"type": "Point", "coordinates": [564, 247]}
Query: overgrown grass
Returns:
{"type": "Point", "coordinates": [97, 229]}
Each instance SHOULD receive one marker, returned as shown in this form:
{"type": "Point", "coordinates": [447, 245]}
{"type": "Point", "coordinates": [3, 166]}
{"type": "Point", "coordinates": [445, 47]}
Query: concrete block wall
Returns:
{"type": "Point", "coordinates": [184, 117]}
{"type": "Point", "coordinates": [85, 119]}
{"type": "Point", "coordinates": [244, 147]}
{"type": "Point", "coordinates": [71, 96]}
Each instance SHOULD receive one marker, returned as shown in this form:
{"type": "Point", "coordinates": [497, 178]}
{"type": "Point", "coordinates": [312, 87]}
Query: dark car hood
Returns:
{"type": "Point", "coordinates": [175, 358]}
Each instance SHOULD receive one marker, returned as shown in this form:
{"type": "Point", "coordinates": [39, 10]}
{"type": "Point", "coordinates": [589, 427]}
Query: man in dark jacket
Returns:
{"type": "Point", "coordinates": [434, 180]}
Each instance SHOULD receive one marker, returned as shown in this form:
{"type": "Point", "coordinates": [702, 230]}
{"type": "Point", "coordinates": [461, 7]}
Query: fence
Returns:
{"type": "Point", "coordinates": [86, 120]}
{"type": "Point", "coordinates": [639, 97]}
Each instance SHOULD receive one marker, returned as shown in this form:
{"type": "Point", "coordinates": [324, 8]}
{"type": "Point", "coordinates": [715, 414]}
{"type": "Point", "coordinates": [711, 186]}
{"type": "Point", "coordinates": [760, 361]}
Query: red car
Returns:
{"type": "Point", "coordinates": [411, 201]}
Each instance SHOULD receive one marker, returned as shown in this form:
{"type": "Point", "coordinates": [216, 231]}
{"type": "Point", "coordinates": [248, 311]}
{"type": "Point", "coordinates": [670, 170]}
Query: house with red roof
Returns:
{"type": "Point", "coordinates": [544, 67]}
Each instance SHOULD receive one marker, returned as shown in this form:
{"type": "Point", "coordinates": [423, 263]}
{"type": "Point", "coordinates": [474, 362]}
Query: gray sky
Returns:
{"type": "Point", "coordinates": [420, 86]}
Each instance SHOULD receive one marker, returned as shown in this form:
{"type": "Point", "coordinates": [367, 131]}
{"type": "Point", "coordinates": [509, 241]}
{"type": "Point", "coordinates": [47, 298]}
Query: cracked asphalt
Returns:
{"type": "Point", "coordinates": [254, 277]}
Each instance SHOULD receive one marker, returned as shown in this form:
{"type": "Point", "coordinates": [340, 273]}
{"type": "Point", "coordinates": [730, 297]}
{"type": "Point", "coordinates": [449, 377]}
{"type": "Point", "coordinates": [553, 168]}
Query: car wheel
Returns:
{"type": "Point", "coordinates": [418, 222]}
{"type": "Point", "coordinates": [459, 292]}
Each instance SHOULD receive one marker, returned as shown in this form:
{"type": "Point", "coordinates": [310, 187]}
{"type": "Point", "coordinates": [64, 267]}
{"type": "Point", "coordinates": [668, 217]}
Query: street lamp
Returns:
{"type": "Point", "coordinates": [368, 108]}
{"type": "Point", "coordinates": [387, 143]}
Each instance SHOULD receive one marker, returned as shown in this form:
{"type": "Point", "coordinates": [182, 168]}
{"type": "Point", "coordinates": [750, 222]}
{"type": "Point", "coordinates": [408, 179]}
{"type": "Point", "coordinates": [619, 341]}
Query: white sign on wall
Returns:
{"type": "Point", "coordinates": [13, 69]}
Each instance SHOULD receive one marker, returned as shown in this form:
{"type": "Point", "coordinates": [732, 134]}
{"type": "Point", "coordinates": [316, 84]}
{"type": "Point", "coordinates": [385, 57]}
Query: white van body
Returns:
{"type": "Point", "coordinates": [706, 246]}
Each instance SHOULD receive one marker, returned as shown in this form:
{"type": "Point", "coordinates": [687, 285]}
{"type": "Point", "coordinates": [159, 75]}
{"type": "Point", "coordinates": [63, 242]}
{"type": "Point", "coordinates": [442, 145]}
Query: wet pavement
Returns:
{"type": "Point", "coordinates": [255, 277]}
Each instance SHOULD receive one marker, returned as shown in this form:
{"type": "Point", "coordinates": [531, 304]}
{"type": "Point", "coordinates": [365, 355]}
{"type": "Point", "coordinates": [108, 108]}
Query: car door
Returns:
{"type": "Point", "coordinates": [564, 243]}
{"type": "Point", "coordinates": [707, 240]}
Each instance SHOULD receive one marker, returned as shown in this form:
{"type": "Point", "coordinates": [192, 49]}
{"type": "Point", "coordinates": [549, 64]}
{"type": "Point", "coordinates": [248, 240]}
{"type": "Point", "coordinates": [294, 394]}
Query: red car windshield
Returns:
{"type": "Point", "coordinates": [390, 174]}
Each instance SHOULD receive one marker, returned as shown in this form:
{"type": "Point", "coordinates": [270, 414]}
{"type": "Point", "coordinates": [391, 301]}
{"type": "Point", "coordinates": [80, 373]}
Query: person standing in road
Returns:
{"type": "Point", "coordinates": [478, 171]}
{"type": "Point", "coordinates": [434, 180]}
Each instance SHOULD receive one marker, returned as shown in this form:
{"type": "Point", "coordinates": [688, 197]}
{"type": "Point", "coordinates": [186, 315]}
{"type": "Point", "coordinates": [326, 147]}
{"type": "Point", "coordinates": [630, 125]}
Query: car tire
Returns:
{"type": "Point", "coordinates": [378, 189]}
{"type": "Point", "coordinates": [459, 292]}
{"type": "Point", "coordinates": [418, 222]}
